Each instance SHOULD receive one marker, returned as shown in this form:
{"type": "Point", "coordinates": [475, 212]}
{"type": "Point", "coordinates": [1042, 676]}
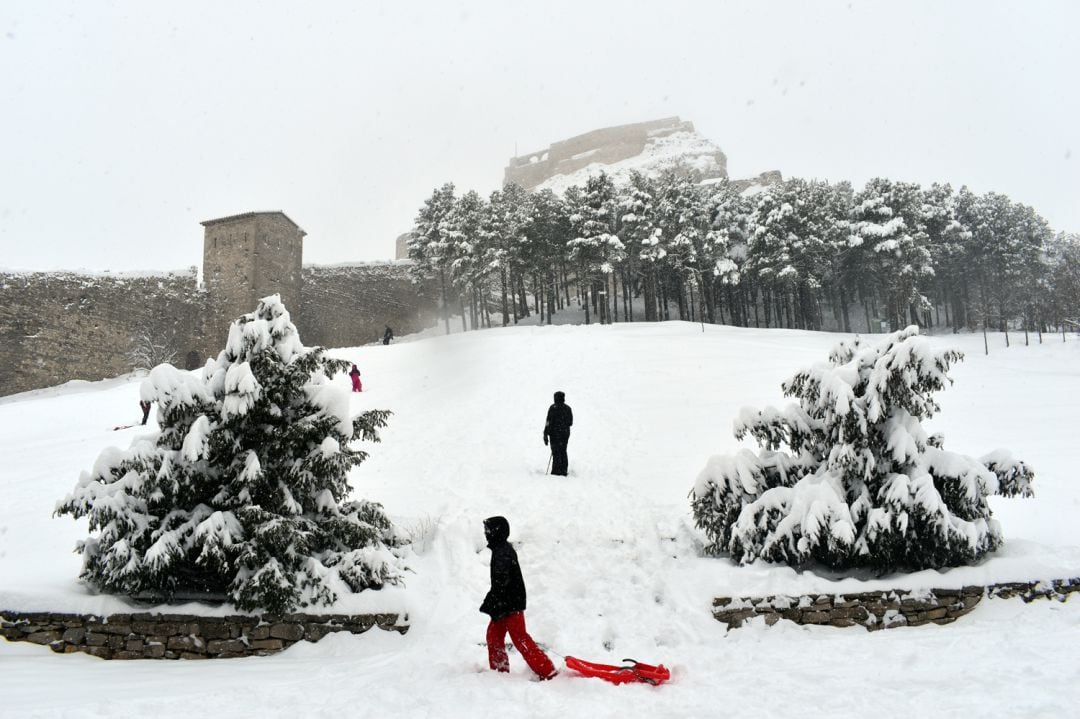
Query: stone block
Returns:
{"type": "Point", "coordinates": [260, 632]}
{"type": "Point", "coordinates": [359, 625]}
{"type": "Point", "coordinates": [192, 655]}
{"type": "Point", "coordinates": [215, 631]}
{"type": "Point", "coordinates": [218, 646]}
{"type": "Point", "coordinates": [734, 615]}
{"type": "Point", "coordinates": [186, 644]}
{"type": "Point", "coordinates": [94, 639]}
{"type": "Point", "coordinates": [134, 645]}
{"type": "Point", "coordinates": [291, 632]}
{"type": "Point", "coordinates": [126, 654]}
{"type": "Point", "coordinates": [268, 645]}
{"type": "Point", "coordinates": [99, 652]}
{"type": "Point", "coordinates": [115, 628]}
{"type": "Point", "coordinates": [721, 601]}
{"type": "Point", "coordinates": [842, 622]}
{"type": "Point", "coordinates": [315, 632]}
{"type": "Point", "coordinates": [386, 621]}
{"type": "Point", "coordinates": [857, 613]}
{"type": "Point", "coordinates": [45, 637]}
{"type": "Point", "coordinates": [75, 635]}
{"type": "Point", "coordinates": [147, 628]}
{"type": "Point", "coordinates": [154, 651]}
{"type": "Point", "coordinates": [811, 617]}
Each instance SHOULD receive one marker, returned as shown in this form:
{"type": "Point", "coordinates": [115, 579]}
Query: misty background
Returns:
{"type": "Point", "coordinates": [125, 124]}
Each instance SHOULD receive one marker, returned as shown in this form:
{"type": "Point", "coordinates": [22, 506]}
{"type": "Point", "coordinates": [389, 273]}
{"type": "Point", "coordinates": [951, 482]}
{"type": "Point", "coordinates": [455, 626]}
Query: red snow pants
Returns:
{"type": "Point", "coordinates": [496, 643]}
{"type": "Point", "coordinates": [356, 384]}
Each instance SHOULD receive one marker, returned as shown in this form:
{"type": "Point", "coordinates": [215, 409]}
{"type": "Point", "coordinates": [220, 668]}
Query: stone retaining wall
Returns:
{"type": "Point", "coordinates": [883, 609]}
{"type": "Point", "coordinates": [182, 636]}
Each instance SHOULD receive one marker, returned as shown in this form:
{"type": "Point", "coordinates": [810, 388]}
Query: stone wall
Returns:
{"type": "Point", "coordinates": [351, 305]}
{"type": "Point", "coordinates": [183, 636]}
{"type": "Point", "coordinates": [883, 609]}
{"type": "Point", "coordinates": [59, 326]}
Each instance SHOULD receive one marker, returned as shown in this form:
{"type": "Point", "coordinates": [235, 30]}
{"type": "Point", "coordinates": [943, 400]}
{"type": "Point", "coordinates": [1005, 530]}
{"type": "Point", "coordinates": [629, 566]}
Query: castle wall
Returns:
{"type": "Point", "coordinates": [350, 305]}
{"type": "Point", "coordinates": [59, 326]}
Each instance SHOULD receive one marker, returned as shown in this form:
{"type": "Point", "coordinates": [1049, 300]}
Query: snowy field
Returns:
{"type": "Point", "coordinates": [610, 556]}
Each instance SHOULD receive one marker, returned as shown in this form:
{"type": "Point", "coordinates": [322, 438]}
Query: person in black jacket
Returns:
{"type": "Point", "coordinates": [557, 429]}
{"type": "Point", "coordinates": [505, 604]}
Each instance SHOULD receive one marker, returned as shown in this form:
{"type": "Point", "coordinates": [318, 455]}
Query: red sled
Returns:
{"type": "Point", "coordinates": [635, 671]}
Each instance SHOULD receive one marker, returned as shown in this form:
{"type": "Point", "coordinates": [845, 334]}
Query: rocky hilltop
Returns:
{"type": "Point", "coordinates": [648, 147]}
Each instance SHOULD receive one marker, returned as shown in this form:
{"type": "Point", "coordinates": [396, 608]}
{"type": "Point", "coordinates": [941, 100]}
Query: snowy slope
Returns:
{"type": "Point", "coordinates": [609, 554]}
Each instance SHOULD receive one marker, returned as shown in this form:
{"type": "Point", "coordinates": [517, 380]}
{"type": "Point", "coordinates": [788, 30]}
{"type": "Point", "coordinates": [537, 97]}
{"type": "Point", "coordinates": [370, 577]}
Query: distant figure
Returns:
{"type": "Point", "coordinates": [387, 335]}
{"type": "Point", "coordinates": [145, 406]}
{"type": "Point", "coordinates": [505, 604]}
{"type": "Point", "coordinates": [355, 374]}
{"type": "Point", "coordinates": [557, 428]}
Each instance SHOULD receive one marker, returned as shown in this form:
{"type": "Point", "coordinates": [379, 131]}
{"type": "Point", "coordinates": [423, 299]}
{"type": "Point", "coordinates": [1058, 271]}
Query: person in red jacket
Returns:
{"type": "Point", "coordinates": [505, 604]}
{"type": "Point", "coordinates": [355, 374]}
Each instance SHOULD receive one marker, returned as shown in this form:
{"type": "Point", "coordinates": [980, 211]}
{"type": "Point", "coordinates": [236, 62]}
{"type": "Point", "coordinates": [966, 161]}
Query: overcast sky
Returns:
{"type": "Point", "coordinates": [125, 124]}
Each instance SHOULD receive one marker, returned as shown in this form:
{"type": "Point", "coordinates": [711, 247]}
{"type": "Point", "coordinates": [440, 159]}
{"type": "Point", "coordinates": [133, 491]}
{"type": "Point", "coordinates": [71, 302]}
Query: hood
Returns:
{"type": "Point", "coordinates": [497, 530]}
{"type": "Point", "coordinates": [560, 398]}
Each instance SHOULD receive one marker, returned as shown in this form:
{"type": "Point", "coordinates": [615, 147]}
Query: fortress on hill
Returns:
{"type": "Point", "coordinates": [61, 326]}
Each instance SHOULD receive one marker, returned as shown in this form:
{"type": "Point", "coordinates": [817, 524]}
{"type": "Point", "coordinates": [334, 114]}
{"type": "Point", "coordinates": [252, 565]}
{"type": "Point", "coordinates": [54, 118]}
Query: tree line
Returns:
{"type": "Point", "coordinates": [803, 254]}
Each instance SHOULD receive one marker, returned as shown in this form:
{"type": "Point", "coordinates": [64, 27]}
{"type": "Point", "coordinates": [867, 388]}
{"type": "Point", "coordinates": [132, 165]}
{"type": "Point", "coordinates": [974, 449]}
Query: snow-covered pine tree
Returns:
{"type": "Point", "coordinates": [860, 484]}
{"type": "Point", "coordinates": [243, 491]}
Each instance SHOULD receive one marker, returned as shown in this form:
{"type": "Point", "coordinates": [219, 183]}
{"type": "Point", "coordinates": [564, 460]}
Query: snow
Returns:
{"type": "Point", "coordinates": [682, 148]}
{"type": "Point", "coordinates": [610, 557]}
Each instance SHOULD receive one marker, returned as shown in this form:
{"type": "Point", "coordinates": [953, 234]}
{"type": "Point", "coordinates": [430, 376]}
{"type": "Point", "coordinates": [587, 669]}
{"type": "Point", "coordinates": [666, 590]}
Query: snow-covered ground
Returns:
{"type": "Point", "coordinates": [610, 556]}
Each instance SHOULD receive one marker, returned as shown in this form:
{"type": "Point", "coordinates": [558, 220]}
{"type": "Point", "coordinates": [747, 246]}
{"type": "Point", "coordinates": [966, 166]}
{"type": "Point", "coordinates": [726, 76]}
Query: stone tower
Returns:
{"type": "Point", "coordinates": [247, 257]}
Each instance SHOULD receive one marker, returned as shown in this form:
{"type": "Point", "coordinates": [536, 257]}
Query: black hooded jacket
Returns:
{"type": "Point", "coordinates": [559, 418]}
{"type": "Point", "coordinates": [507, 593]}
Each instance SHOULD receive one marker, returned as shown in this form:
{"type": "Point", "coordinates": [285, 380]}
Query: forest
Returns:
{"type": "Point", "coordinates": [806, 254]}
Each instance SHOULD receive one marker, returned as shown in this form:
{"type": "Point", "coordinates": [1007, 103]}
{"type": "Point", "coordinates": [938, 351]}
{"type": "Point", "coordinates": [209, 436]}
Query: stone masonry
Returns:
{"type": "Point", "coordinates": [61, 326]}
{"type": "Point", "coordinates": [883, 609]}
{"type": "Point", "coordinates": [183, 636]}
{"type": "Point", "coordinates": [247, 257]}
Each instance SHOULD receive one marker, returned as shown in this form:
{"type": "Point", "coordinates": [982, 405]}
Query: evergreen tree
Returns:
{"type": "Point", "coordinates": [429, 246]}
{"type": "Point", "coordinates": [242, 493]}
{"type": "Point", "coordinates": [596, 246]}
{"type": "Point", "coordinates": [860, 484]}
{"type": "Point", "coordinates": [887, 217]}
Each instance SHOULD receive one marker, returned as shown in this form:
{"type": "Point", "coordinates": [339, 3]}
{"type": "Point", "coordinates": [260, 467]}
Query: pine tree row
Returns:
{"type": "Point", "coordinates": [798, 254]}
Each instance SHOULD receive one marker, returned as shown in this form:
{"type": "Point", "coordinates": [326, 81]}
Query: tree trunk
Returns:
{"type": "Point", "coordinates": [505, 306]}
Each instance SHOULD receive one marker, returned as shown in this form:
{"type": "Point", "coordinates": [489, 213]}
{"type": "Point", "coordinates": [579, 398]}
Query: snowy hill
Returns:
{"type": "Point", "coordinates": [682, 149]}
{"type": "Point", "coordinates": [610, 557]}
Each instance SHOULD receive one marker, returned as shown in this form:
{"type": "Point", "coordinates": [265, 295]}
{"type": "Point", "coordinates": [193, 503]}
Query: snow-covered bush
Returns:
{"type": "Point", "coordinates": [860, 484]}
{"type": "Point", "coordinates": [242, 492]}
